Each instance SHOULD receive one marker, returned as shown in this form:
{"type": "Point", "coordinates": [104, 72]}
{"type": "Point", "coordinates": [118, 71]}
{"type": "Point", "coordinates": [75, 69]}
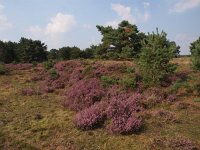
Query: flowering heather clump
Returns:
{"type": "Point", "coordinates": [84, 93]}
{"type": "Point", "coordinates": [165, 115]}
{"type": "Point", "coordinates": [28, 92]}
{"type": "Point", "coordinates": [39, 76]}
{"type": "Point", "coordinates": [182, 144]}
{"type": "Point", "coordinates": [48, 89]}
{"type": "Point", "coordinates": [58, 84]}
{"type": "Point", "coordinates": [76, 75]}
{"type": "Point", "coordinates": [25, 66]}
{"type": "Point", "coordinates": [171, 98]}
{"type": "Point", "coordinates": [99, 69]}
{"type": "Point", "coordinates": [91, 117]}
{"type": "Point", "coordinates": [122, 111]}
{"type": "Point", "coordinates": [67, 65]}
{"type": "Point", "coordinates": [123, 125]}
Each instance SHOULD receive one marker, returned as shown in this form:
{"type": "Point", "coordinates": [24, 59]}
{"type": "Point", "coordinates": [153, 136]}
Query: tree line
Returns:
{"type": "Point", "coordinates": [123, 42]}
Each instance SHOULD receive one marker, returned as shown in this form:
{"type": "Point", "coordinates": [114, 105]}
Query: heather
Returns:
{"type": "Point", "coordinates": [96, 104]}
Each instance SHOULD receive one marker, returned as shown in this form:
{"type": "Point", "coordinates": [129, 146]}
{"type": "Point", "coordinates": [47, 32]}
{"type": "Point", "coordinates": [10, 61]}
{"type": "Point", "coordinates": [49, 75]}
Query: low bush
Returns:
{"type": "Point", "coordinates": [107, 81]}
{"type": "Point", "coordinates": [195, 54]}
{"type": "Point", "coordinates": [91, 117]}
{"type": "Point", "coordinates": [29, 92]}
{"type": "Point", "coordinates": [53, 74]}
{"type": "Point", "coordinates": [130, 70]}
{"type": "Point", "coordinates": [128, 82]}
{"type": "Point", "coordinates": [122, 111]}
{"type": "Point", "coordinates": [180, 84]}
{"type": "Point", "coordinates": [165, 116]}
{"type": "Point", "coordinates": [84, 93]}
{"type": "Point", "coordinates": [48, 64]}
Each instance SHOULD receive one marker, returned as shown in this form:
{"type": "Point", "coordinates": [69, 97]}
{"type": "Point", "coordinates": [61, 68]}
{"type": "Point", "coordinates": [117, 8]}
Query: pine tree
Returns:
{"type": "Point", "coordinates": [155, 56]}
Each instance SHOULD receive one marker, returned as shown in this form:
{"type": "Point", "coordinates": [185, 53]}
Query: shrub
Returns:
{"type": "Point", "coordinates": [128, 82]}
{"type": "Point", "coordinates": [155, 56]}
{"type": "Point", "coordinates": [130, 70]}
{"type": "Point", "coordinates": [124, 125]}
{"type": "Point", "coordinates": [195, 54]}
{"type": "Point", "coordinates": [181, 143]}
{"type": "Point", "coordinates": [91, 117]}
{"type": "Point", "coordinates": [165, 116]}
{"type": "Point", "coordinates": [171, 98]}
{"type": "Point", "coordinates": [28, 92]}
{"type": "Point", "coordinates": [53, 74]}
{"type": "Point", "coordinates": [107, 81]}
{"type": "Point", "coordinates": [177, 143]}
{"type": "Point", "coordinates": [180, 84]}
{"type": "Point", "coordinates": [122, 111]}
{"type": "Point", "coordinates": [3, 69]}
{"type": "Point", "coordinates": [48, 64]}
{"type": "Point", "coordinates": [76, 75]}
{"type": "Point", "coordinates": [84, 93]}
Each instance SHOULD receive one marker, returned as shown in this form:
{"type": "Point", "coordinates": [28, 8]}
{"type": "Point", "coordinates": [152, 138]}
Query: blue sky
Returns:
{"type": "Point", "coordinates": [61, 23]}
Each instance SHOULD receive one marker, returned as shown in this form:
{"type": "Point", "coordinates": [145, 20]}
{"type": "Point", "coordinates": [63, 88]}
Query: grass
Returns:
{"type": "Point", "coordinates": [21, 128]}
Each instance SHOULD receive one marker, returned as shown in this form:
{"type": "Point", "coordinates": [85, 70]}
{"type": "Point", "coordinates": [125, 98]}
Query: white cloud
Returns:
{"type": "Point", "coordinates": [125, 13]}
{"type": "Point", "coordinates": [185, 5]}
{"type": "Point", "coordinates": [146, 4]}
{"type": "Point", "coordinates": [54, 30]}
{"type": "Point", "coordinates": [1, 7]}
{"type": "Point", "coordinates": [61, 23]}
{"type": "Point", "coordinates": [4, 23]}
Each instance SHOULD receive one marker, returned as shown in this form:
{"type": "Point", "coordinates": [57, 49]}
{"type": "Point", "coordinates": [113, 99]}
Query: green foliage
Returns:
{"type": "Point", "coordinates": [34, 63]}
{"type": "Point", "coordinates": [53, 54]}
{"type": "Point", "coordinates": [128, 82]}
{"type": "Point", "coordinates": [3, 69]}
{"type": "Point", "coordinates": [180, 84]}
{"type": "Point", "coordinates": [8, 52]}
{"type": "Point", "coordinates": [123, 42]}
{"type": "Point", "coordinates": [53, 74]}
{"type": "Point", "coordinates": [155, 56]}
{"type": "Point", "coordinates": [67, 53]}
{"type": "Point", "coordinates": [107, 81]}
{"type": "Point", "coordinates": [130, 70]}
{"type": "Point", "coordinates": [48, 64]}
{"type": "Point", "coordinates": [89, 52]}
{"type": "Point", "coordinates": [29, 50]}
{"type": "Point", "coordinates": [195, 54]}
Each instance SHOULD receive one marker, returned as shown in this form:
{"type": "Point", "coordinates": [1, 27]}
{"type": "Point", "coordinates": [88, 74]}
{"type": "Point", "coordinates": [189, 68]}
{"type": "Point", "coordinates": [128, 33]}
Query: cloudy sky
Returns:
{"type": "Point", "coordinates": [73, 22]}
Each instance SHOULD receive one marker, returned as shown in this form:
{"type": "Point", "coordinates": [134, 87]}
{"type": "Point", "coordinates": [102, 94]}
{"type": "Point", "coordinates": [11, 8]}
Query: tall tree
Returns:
{"type": "Point", "coordinates": [126, 39]}
{"type": "Point", "coordinates": [8, 51]}
{"type": "Point", "coordinates": [195, 54]}
{"type": "Point", "coordinates": [29, 50]}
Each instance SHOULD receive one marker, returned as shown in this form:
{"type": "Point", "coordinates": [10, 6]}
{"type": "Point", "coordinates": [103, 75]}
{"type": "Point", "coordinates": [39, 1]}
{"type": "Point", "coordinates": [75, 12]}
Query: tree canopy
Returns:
{"type": "Point", "coordinates": [122, 42]}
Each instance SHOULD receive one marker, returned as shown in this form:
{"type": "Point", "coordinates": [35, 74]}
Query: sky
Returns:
{"type": "Point", "coordinates": [60, 23]}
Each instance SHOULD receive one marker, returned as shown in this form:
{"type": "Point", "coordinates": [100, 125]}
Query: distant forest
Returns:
{"type": "Point", "coordinates": [124, 42]}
